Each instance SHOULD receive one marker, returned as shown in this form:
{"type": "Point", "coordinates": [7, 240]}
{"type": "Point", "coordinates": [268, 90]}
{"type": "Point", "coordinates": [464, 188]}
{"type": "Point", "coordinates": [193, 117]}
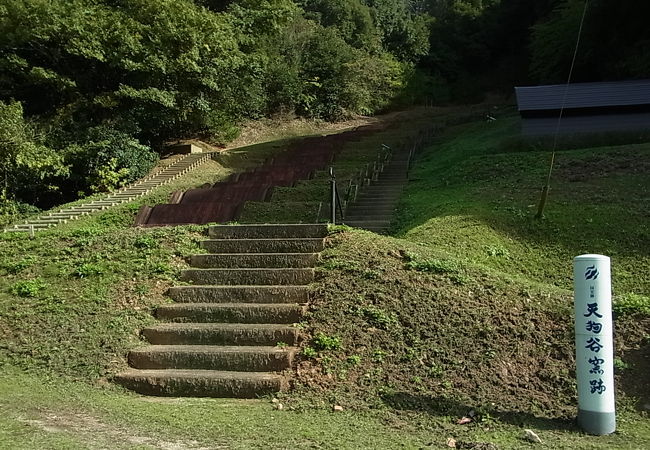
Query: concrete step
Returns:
{"type": "Point", "coordinates": [68, 215]}
{"type": "Point", "coordinates": [368, 223]}
{"type": "Point", "coordinates": [220, 334]}
{"type": "Point", "coordinates": [371, 209]}
{"type": "Point", "coordinates": [277, 313]}
{"type": "Point", "coordinates": [239, 294]}
{"type": "Point", "coordinates": [106, 203]}
{"type": "Point", "coordinates": [213, 357]}
{"type": "Point", "coordinates": [368, 218]}
{"type": "Point", "coordinates": [397, 177]}
{"type": "Point", "coordinates": [251, 260]}
{"type": "Point", "coordinates": [202, 383]}
{"type": "Point", "coordinates": [268, 231]}
{"type": "Point", "coordinates": [26, 227]}
{"type": "Point", "coordinates": [385, 205]}
{"type": "Point", "coordinates": [377, 190]}
{"type": "Point", "coordinates": [299, 245]}
{"type": "Point", "coordinates": [39, 221]}
{"type": "Point", "coordinates": [248, 276]}
{"type": "Point", "coordinates": [379, 201]}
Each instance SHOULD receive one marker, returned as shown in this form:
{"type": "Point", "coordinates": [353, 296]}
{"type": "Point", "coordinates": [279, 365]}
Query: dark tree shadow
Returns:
{"type": "Point", "coordinates": [437, 406]}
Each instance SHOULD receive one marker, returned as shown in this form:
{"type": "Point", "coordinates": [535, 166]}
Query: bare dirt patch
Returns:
{"type": "Point", "coordinates": [99, 435]}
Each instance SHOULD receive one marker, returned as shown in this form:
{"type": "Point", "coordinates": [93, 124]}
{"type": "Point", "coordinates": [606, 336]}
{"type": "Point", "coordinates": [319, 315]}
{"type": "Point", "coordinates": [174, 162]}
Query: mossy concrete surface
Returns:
{"type": "Point", "coordinates": [236, 319]}
{"type": "Point", "coordinates": [282, 313]}
{"type": "Point", "coordinates": [261, 231]}
{"type": "Point", "coordinates": [239, 294]}
{"type": "Point", "coordinates": [251, 260]}
{"type": "Point", "coordinates": [221, 333]}
{"type": "Point", "coordinates": [300, 245]}
{"type": "Point", "coordinates": [202, 383]}
{"type": "Point", "coordinates": [212, 357]}
{"type": "Point", "coordinates": [255, 276]}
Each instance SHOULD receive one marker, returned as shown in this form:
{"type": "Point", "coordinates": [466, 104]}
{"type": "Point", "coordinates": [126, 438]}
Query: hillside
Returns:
{"type": "Point", "coordinates": [467, 307]}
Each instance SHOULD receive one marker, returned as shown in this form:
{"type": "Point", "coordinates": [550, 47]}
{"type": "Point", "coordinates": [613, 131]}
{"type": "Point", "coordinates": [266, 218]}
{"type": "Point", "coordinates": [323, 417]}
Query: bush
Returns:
{"type": "Point", "coordinates": [107, 159]}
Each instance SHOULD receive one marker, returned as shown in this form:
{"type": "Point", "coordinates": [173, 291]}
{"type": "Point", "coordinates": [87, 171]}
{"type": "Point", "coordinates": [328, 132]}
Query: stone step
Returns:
{"type": "Point", "coordinates": [239, 294]}
{"type": "Point", "coordinates": [45, 221]}
{"type": "Point", "coordinates": [106, 203]}
{"type": "Point", "coordinates": [202, 383]}
{"type": "Point", "coordinates": [251, 276]}
{"type": "Point", "coordinates": [368, 223]}
{"type": "Point", "coordinates": [388, 183]}
{"type": "Point", "coordinates": [395, 178]}
{"type": "Point", "coordinates": [26, 227]}
{"type": "Point", "coordinates": [221, 334]}
{"type": "Point", "coordinates": [377, 189]}
{"type": "Point", "coordinates": [251, 260]}
{"type": "Point", "coordinates": [374, 204]}
{"type": "Point", "coordinates": [213, 357]}
{"type": "Point", "coordinates": [278, 313]}
{"type": "Point", "coordinates": [366, 218]}
{"type": "Point", "coordinates": [373, 194]}
{"type": "Point", "coordinates": [371, 209]}
{"type": "Point", "coordinates": [66, 215]}
{"type": "Point", "coordinates": [298, 245]}
{"type": "Point", "coordinates": [267, 231]}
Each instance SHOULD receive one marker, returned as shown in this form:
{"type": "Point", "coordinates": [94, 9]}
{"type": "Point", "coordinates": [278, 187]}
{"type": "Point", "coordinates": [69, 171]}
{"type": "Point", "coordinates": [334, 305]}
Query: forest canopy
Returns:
{"type": "Point", "coordinates": [90, 88]}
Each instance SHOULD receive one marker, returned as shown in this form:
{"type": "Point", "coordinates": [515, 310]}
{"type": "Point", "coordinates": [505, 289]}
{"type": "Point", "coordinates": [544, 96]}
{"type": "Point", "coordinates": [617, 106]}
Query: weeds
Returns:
{"type": "Point", "coordinates": [377, 317]}
{"type": "Point", "coordinates": [86, 270]}
{"type": "Point", "coordinates": [323, 342]}
{"type": "Point", "coordinates": [630, 304]}
{"type": "Point", "coordinates": [19, 266]}
{"type": "Point", "coordinates": [28, 288]}
{"type": "Point", "coordinates": [309, 352]}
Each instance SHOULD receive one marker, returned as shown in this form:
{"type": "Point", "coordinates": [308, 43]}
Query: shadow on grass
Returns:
{"type": "Point", "coordinates": [437, 406]}
{"type": "Point", "coordinates": [634, 380]}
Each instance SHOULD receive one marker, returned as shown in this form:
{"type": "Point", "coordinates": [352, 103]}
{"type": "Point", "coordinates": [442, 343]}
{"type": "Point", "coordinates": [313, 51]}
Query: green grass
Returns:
{"type": "Point", "coordinates": [469, 308]}
{"type": "Point", "coordinates": [473, 200]}
{"type": "Point", "coordinates": [37, 412]}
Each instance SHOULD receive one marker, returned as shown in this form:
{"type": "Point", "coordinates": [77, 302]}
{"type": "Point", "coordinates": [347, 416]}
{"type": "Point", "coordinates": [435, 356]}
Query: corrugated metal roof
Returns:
{"type": "Point", "coordinates": [586, 124]}
{"type": "Point", "coordinates": [583, 95]}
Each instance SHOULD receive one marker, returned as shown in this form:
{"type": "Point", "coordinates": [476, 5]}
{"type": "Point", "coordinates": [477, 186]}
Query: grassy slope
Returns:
{"type": "Point", "coordinates": [418, 348]}
{"type": "Point", "coordinates": [475, 194]}
{"type": "Point", "coordinates": [471, 307]}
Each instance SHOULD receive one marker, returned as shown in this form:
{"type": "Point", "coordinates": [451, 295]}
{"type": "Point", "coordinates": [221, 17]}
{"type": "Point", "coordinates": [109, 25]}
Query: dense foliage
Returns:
{"type": "Point", "coordinates": [89, 87]}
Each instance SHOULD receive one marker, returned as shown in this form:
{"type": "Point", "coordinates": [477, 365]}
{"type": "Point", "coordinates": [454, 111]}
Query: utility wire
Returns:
{"type": "Point", "coordinates": [542, 202]}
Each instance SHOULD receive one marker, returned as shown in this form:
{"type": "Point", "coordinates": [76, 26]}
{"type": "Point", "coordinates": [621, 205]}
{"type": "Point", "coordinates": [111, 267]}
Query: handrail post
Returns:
{"type": "Point", "coordinates": [332, 196]}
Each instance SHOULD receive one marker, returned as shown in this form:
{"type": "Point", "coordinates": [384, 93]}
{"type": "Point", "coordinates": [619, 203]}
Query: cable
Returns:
{"type": "Point", "coordinates": [542, 203]}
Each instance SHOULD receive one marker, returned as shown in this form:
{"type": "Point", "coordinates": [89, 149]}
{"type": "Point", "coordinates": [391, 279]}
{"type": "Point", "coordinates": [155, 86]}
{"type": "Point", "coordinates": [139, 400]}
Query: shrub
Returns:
{"type": "Point", "coordinates": [109, 158]}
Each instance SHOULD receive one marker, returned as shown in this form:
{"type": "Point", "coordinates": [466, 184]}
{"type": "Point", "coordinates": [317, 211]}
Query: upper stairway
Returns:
{"type": "Point", "coordinates": [375, 205]}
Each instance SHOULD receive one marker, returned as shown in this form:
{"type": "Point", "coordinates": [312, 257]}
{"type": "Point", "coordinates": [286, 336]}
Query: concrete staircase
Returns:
{"type": "Point", "coordinates": [374, 207]}
{"type": "Point", "coordinates": [126, 194]}
{"type": "Point", "coordinates": [222, 333]}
